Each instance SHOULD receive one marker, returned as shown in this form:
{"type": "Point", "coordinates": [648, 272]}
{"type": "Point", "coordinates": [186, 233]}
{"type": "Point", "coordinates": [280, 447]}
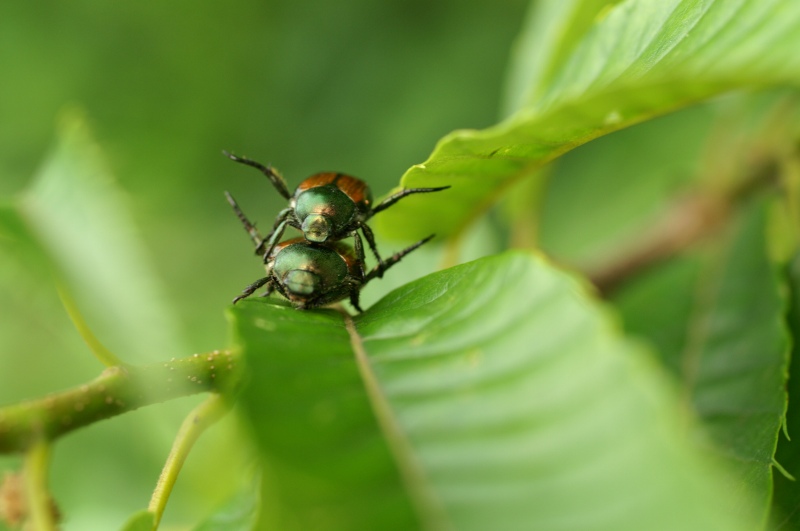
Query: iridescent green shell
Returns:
{"type": "Point", "coordinates": [326, 204]}
{"type": "Point", "coordinates": [312, 275]}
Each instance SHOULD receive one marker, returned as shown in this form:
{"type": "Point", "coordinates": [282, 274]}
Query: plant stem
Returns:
{"type": "Point", "coordinates": [99, 350]}
{"type": "Point", "coordinates": [117, 390]}
{"type": "Point", "coordinates": [37, 496]}
{"type": "Point", "coordinates": [684, 224]}
{"type": "Point", "coordinates": [201, 417]}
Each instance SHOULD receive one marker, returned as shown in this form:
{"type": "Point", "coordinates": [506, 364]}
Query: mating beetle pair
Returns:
{"type": "Point", "coordinates": [320, 269]}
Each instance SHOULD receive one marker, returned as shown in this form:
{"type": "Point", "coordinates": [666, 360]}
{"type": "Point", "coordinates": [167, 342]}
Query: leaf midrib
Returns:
{"type": "Point", "coordinates": [430, 510]}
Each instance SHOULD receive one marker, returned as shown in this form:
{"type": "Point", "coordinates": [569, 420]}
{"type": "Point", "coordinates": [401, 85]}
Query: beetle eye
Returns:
{"type": "Point", "coordinates": [316, 228]}
{"type": "Point", "coordinates": [301, 282]}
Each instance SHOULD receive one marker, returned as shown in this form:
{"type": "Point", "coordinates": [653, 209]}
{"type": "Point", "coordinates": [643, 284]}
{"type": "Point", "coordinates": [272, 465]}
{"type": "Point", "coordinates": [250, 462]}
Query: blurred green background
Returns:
{"type": "Point", "coordinates": [356, 86]}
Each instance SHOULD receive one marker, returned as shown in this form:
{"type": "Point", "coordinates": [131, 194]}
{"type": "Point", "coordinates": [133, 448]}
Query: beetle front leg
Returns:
{"type": "Point", "coordinates": [370, 236]}
{"type": "Point", "coordinates": [269, 290]}
{"type": "Point", "coordinates": [355, 288]}
{"type": "Point", "coordinates": [278, 227]}
{"type": "Point", "coordinates": [276, 236]}
{"type": "Point", "coordinates": [249, 290]}
{"type": "Point", "coordinates": [359, 248]}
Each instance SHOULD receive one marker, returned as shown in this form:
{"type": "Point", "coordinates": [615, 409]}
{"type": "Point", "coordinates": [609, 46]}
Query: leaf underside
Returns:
{"type": "Point", "coordinates": [723, 333]}
{"type": "Point", "coordinates": [640, 60]}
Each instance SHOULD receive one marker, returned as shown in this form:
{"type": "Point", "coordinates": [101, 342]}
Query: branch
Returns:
{"type": "Point", "coordinates": [685, 223]}
{"type": "Point", "coordinates": [117, 390]}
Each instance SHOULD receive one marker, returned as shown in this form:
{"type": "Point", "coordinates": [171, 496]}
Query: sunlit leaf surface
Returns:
{"type": "Point", "coordinates": [640, 60]}
{"type": "Point", "coordinates": [492, 395]}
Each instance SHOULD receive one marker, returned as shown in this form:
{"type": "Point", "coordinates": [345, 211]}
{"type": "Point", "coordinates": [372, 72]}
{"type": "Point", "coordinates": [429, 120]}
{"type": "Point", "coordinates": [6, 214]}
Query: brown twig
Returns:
{"type": "Point", "coordinates": [684, 224]}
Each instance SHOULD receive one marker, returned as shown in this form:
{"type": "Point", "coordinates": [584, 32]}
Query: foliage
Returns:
{"type": "Point", "coordinates": [505, 392]}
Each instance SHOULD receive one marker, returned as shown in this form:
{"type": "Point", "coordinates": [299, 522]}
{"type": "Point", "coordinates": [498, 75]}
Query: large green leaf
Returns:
{"type": "Point", "coordinates": [602, 199]}
{"type": "Point", "coordinates": [640, 60]}
{"type": "Point", "coordinates": [80, 219]}
{"type": "Point", "coordinates": [787, 490]}
{"type": "Point", "coordinates": [659, 305]}
{"type": "Point", "coordinates": [723, 332]}
{"type": "Point", "coordinates": [326, 464]}
{"type": "Point", "coordinates": [553, 29]}
{"type": "Point", "coordinates": [737, 357]}
{"type": "Point", "coordinates": [74, 223]}
{"type": "Point", "coordinates": [493, 395]}
{"type": "Point", "coordinates": [18, 243]}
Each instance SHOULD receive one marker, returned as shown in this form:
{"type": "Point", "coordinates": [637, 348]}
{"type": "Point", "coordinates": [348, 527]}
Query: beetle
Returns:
{"type": "Point", "coordinates": [327, 206]}
{"type": "Point", "coordinates": [312, 274]}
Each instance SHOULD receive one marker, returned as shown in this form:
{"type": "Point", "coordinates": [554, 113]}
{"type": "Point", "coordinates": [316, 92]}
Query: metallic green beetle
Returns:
{"type": "Point", "coordinates": [327, 207]}
{"type": "Point", "coordinates": [312, 274]}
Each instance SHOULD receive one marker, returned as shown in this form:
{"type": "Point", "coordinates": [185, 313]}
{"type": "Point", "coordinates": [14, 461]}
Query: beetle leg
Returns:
{"type": "Point", "coordinates": [394, 198]}
{"type": "Point", "coordinates": [249, 227]}
{"type": "Point", "coordinates": [249, 290]}
{"type": "Point", "coordinates": [368, 234]}
{"type": "Point", "coordinates": [359, 248]}
{"type": "Point", "coordinates": [354, 292]}
{"type": "Point", "coordinates": [392, 260]}
{"type": "Point", "coordinates": [273, 240]}
{"type": "Point", "coordinates": [269, 290]}
{"type": "Point", "coordinates": [280, 221]}
{"type": "Point", "coordinates": [274, 177]}
{"type": "Point", "coordinates": [275, 237]}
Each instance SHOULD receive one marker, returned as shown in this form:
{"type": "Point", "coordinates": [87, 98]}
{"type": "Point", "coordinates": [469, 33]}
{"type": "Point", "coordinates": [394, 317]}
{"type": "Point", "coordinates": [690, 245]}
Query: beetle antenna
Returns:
{"type": "Point", "coordinates": [392, 260]}
{"type": "Point", "coordinates": [274, 177]}
{"type": "Point", "coordinates": [394, 198]}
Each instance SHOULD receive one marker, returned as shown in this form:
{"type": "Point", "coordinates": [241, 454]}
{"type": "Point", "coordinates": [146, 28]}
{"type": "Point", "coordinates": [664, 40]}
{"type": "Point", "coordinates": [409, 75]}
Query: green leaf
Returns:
{"type": "Point", "coordinates": [324, 454]}
{"type": "Point", "coordinates": [493, 395]}
{"type": "Point", "coordinates": [553, 29]}
{"type": "Point", "coordinates": [737, 357]}
{"type": "Point", "coordinates": [602, 196]}
{"type": "Point", "coordinates": [787, 491]}
{"type": "Point", "coordinates": [144, 520]}
{"type": "Point", "coordinates": [659, 305]}
{"type": "Point", "coordinates": [239, 513]}
{"type": "Point", "coordinates": [18, 243]}
{"type": "Point", "coordinates": [81, 220]}
{"type": "Point", "coordinates": [723, 333]}
{"type": "Point", "coordinates": [641, 60]}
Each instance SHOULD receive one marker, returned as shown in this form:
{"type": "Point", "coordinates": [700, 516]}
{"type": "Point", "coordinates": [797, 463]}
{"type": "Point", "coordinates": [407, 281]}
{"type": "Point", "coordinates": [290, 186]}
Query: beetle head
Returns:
{"type": "Point", "coordinates": [317, 227]}
{"type": "Point", "coordinates": [301, 282]}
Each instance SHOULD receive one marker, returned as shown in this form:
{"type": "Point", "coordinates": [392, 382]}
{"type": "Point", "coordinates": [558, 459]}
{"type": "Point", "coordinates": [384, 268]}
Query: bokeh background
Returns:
{"type": "Point", "coordinates": [357, 86]}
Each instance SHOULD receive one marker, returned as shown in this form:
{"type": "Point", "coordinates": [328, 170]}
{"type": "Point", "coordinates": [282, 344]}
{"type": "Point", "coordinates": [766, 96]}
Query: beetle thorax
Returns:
{"type": "Point", "coordinates": [307, 271]}
{"type": "Point", "coordinates": [324, 212]}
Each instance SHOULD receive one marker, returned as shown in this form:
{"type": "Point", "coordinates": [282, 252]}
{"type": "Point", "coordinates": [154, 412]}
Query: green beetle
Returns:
{"type": "Point", "coordinates": [311, 274]}
{"type": "Point", "coordinates": [327, 207]}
